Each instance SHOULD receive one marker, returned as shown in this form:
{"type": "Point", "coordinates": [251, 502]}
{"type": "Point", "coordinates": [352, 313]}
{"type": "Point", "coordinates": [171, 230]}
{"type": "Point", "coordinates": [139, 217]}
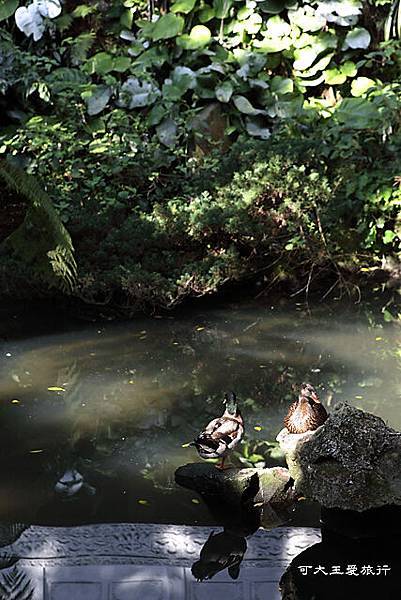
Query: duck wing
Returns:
{"type": "Point", "coordinates": [225, 429]}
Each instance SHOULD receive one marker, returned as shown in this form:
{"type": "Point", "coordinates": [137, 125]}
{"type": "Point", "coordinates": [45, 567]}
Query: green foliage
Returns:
{"type": "Point", "coordinates": [115, 112]}
{"type": "Point", "coordinates": [260, 62]}
{"type": "Point", "coordinates": [41, 242]}
{"type": "Point", "coordinates": [151, 227]}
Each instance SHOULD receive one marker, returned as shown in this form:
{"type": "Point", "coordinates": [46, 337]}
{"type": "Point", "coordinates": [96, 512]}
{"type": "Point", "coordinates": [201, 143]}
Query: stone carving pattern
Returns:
{"type": "Point", "coordinates": [148, 543]}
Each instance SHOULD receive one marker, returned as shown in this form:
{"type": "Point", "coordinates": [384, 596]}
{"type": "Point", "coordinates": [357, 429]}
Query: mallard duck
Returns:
{"type": "Point", "coordinates": [307, 413]}
{"type": "Point", "coordinates": [221, 435]}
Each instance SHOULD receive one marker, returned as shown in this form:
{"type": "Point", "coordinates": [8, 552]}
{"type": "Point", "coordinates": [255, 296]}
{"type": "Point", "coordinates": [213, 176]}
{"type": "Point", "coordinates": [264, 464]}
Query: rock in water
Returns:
{"type": "Point", "coordinates": [235, 493]}
{"type": "Point", "coordinates": [352, 462]}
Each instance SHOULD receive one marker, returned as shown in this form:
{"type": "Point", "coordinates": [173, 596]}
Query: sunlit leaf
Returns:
{"type": "Point", "coordinates": [55, 388]}
{"type": "Point", "coordinates": [167, 26]}
{"type": "Point", "coordinates": [256, 127]}
{"type": "Point", "coordinates": [358, 38]}
{"type": "Point", "coordinates": [361, 85]}
{"type": "Point", "coordinates": [277, 27]}
{"type": "Point", "coordinates": [135, 93]}
{"type": "Point", "coordinates": [307, 19]}
{"type": "Point", "coordinates": [183, 6]}
{"type": "Point", "coordinates": [244, 106]}
{"type": "Point", "coordinates": [199, 36]}
{"type": "Point", "coordinates": [389, 236]}
{"type": "Point", "coordinates": [334, 77]}
{"type": "Point", "coordinates": [224, 91]}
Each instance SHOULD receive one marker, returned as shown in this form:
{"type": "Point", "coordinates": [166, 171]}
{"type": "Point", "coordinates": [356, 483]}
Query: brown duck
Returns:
{"type": "Point", "coordinates": [307, 413]}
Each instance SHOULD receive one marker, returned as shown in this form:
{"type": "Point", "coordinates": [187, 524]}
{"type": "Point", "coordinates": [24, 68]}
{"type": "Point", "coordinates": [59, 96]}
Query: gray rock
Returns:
{"type": "Point", "coordinates": [240, 491]}
{"type": "Point", "coordinates": [352, 462]}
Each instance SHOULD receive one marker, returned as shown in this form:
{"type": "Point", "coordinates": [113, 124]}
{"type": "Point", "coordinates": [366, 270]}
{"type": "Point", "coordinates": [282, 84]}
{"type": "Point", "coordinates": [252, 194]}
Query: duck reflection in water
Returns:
{"type": "Point", "coordinates": [224, 550]}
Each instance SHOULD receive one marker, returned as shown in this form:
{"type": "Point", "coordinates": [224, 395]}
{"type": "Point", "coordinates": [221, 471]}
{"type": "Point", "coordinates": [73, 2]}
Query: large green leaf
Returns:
{"type": "Point", "coordinates": [244, 106]}
{"type": "Point", "coordinates": [257, 127]}
{"type": "Point", "coordinates": [8, 8]}
{"type": "Point", "coordinates": [271, 45]}
{"type": "Point", "coordinates": [273, 7]}
{"type": "Point", "coordinates": [222, 8]}
{"type": "Point", "coordinates": [277, 27]}
{"type": "Point", "coordinates": [357, 113]}
{"type": "Point", "coordinates": [358, 38]}
{"type": "Point", "coordinates": [206, 14]}
{"type": "Point", "coordinates": [224, 91]}
{"type": "Point", "coordinates": [281, 85]}
{"type": "Point", "coordinates": [101, 63]}
{"type": "Point", "coordinates": [307, 19]}
{"type": "Point", "coordinates": [168, 26]}
{"type": "Point", "coordinates": [98, 99]}
{"type": "Point", "coordinates": [361, 85]}
{"type": "Point", "coordinates": [183, 6]}
{"type": "Point", "coordinates": [199, 36]}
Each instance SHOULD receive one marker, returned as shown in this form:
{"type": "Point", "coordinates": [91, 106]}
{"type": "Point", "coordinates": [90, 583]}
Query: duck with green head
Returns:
{"type": "Point", "coordinates": [221, 435]}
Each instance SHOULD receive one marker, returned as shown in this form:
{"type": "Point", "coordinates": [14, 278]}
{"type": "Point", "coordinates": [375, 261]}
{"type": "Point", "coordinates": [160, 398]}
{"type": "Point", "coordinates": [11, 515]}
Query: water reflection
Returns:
{"type": "Point", "coordinates": [224, 550]}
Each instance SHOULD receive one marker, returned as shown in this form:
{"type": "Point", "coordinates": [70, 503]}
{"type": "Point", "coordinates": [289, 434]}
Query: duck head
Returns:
{"type": "Point", "coordinates": [230, 403]}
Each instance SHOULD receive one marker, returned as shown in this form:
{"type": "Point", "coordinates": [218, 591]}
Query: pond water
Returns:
{"type": "Point", "coordinates": [120, 401]}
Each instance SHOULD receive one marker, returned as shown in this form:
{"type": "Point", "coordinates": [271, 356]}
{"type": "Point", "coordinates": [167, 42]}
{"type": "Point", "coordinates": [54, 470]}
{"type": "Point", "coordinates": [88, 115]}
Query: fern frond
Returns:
{"type": "Point", "coordinates": [42, 241]}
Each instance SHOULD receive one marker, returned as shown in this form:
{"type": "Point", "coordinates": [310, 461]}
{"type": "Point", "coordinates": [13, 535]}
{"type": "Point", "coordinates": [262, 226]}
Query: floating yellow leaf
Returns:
{"type": "Point", "coordinates": [35, 451]}
{"type": "Point", "coordinates": [195, 501]}
{"type": "Point", "coordinates": [359, 397]}
{"type": "Point", "coordinates": [378, 339]}
{"type": "Point", "coordinates": [185, 445]}
{"type": "Point", "coordinates": [54, 388]}
{"type": "Point", "coordinates": [131, 381]}
{"type": "Point", "coordinates": [143, 502]}
{"type": "Point", "coordinates": [258, 428]}
{"type": "Point", "coordinates": [15, 401]}
{"type": "Point", "coordinates": [200, 328]}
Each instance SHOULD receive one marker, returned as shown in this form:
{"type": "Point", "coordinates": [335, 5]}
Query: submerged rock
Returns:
{"type": "Point", "coordinates": [352, 462]}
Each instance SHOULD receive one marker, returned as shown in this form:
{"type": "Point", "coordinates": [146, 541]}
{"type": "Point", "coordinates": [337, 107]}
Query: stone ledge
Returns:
{"type": "Point", "coordinates": [148, 544]}
{"type": "Point", "coordinates": [151, 562]}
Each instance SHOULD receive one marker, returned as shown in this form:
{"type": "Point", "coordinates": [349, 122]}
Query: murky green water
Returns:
{"type": "Point", "coordinates": [119, 400]}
